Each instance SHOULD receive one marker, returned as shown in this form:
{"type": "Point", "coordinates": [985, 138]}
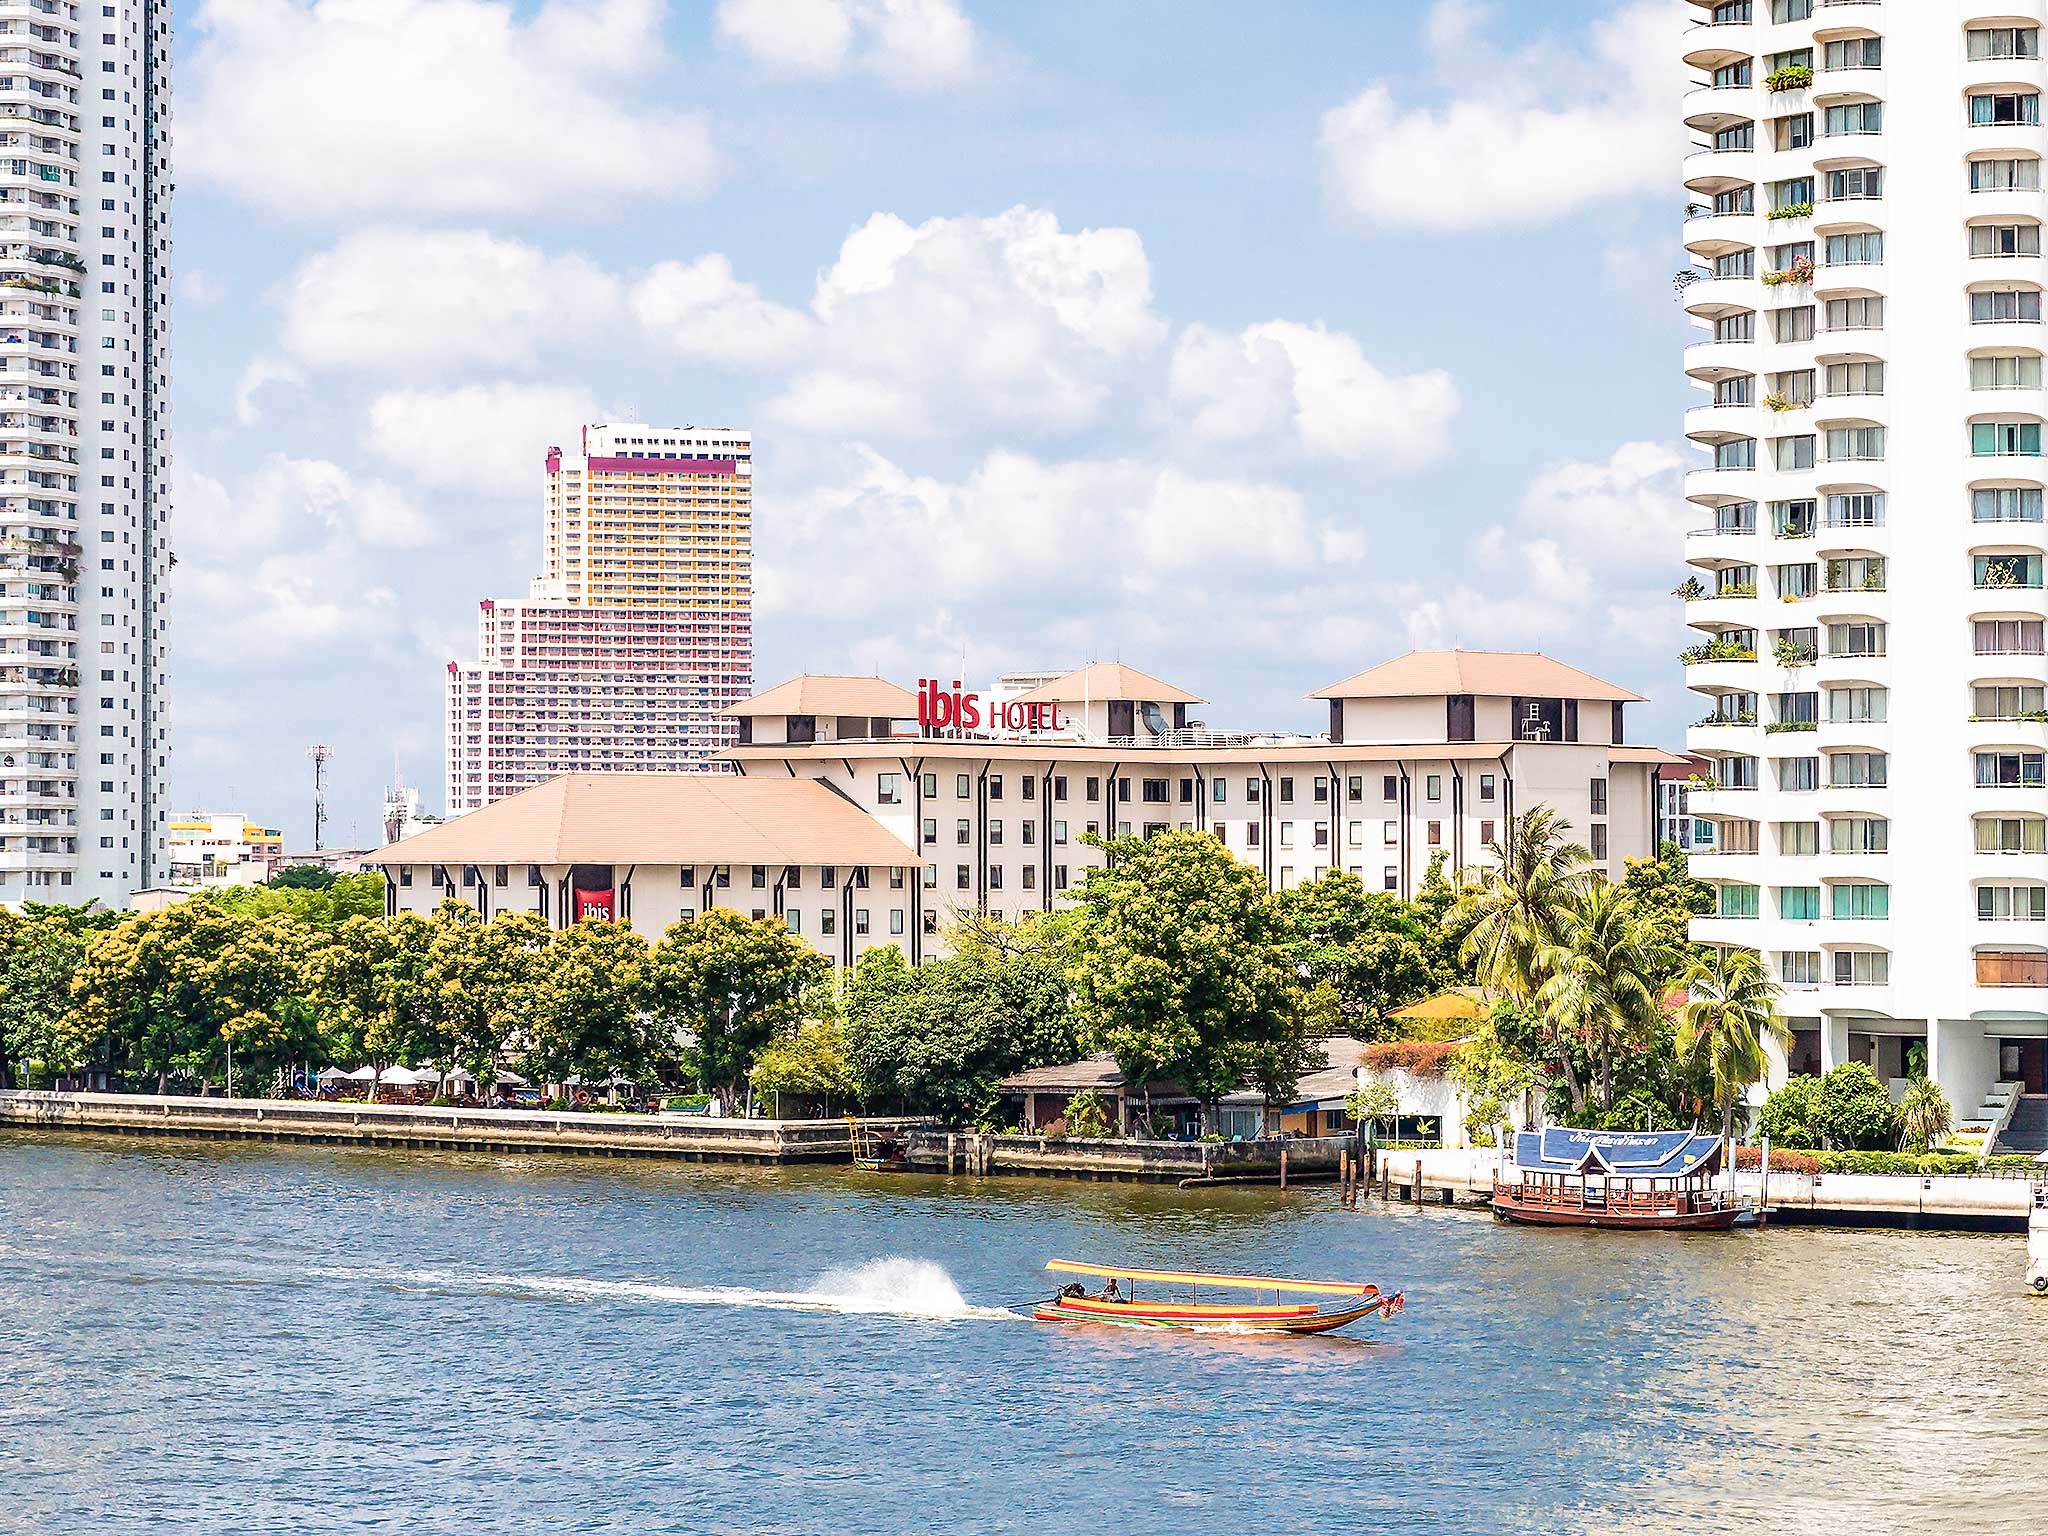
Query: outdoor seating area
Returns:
{"type": "Point", "coordinates": [409, 1085]}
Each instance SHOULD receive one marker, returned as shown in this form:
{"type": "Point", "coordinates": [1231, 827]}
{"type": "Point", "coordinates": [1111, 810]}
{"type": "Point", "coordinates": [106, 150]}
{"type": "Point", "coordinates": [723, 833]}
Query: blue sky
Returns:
{"type": "Point", "coordinates": [1250, 347]}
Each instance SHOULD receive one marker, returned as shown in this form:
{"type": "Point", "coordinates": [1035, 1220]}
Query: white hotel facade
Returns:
{"type": "Point", "coordinates": [861, 827]}
{"type": "Point", "coordinates": [85, 242]}
{"type": "Point", "coordinates": [1866, 584]}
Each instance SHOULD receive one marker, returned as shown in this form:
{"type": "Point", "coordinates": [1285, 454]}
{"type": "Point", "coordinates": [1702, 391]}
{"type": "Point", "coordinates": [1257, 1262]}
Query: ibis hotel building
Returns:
{"type": "Point", "coordinates": [1865, 227]}
{"type": "Point", "coordinates": [639, 634]}
{"type": "Point", "coordinates": [865, 812]}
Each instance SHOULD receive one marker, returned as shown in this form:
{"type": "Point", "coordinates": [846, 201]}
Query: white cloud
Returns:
{"type": "Point", "coordinates": [1521, 139]}
{"type": "Point", "coordinates": [1282, 379]}
{"type": "Point", "coordinates": [286, 503]}
{"type": "Point", "coordinates": [1006, 320]}
{"type": "Point", "coordinates": [324, 109]}
{"type": "Point", "coordinates": [479, 438]}
{"type": "Point", "coordinates": [703, 312]}
{"type": "Point", "coordinates": [257, 374]}
{"type": "Point", "coordinates": [1625, 515]}
{"type": "Point", "coordinates": [916, 44]}
{"type": "Point", "coordinates": [402, 300]}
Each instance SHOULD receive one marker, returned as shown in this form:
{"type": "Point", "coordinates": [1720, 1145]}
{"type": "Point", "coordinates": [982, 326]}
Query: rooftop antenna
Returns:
{"type": "Point", "coordinates": [319, 754]}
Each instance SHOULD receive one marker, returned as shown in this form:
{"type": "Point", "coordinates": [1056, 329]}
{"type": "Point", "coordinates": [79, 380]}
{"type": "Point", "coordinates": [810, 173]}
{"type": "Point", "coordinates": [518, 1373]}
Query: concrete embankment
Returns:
{"type": "Point", "coordinates": [1190, 1164]}
{"type": "Point", "coordinates": [693, 1138]}
{"type": "Point", "coordinates": [1935, 1203]}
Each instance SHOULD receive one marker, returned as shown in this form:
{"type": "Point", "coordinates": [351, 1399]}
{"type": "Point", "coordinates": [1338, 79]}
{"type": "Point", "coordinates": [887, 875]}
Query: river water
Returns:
{"type": "Point", "coordinates": [207, 1338]}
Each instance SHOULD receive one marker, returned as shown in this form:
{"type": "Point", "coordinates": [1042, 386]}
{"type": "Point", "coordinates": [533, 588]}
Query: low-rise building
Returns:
{"type": "Point", "coordinates": [219, 849]}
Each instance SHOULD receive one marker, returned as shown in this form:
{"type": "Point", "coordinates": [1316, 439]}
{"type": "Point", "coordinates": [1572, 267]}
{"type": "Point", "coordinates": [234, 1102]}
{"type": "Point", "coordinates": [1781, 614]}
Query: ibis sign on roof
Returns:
{"type": "Point", "coordinates": [940, 708]}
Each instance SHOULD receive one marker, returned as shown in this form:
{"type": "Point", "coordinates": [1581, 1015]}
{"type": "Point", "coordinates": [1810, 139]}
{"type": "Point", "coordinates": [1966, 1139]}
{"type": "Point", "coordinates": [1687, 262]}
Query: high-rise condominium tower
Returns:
{"type": "Point", "coordinates": [1866, 235]}
{"type": "Point", "coordinates": [638, 633]}
{"type": "Point", "coordinates": [85, 238]}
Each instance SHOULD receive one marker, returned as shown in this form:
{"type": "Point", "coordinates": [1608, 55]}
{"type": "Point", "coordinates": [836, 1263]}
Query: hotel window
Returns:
{"type": "Point", "coordinates": [995, 833]}
{"type": "Point", "coordinates": [1287, 791]}
{"type": "Point", "coordinates": [1322, 834]}
{"type": "Point", "coordinates": [533, 877]}
{"type": "Point", "coordinates": [1856, 250]}
{"type": "Point", "coordinates": [1794, 324]}
{"type": "Point", "coordinates": [1390, 833]}
{"type": "Point", "coordinates": [1187, 791]}
{"type": "Point", "coordinates": [1856, 770]}
{"type": "Point", "coordinates": [895, 919]}
{"type": "Point", "coordinates": [1799, 774]}
{"type": "Point", "coordinates": [2007, 637]}
{"type": "Point", "coordinates": [1999, 108]}
{"type": "Point", "coordinates": [2004, 42]}
{"type": "Point", "coordinates": [2002, 769]}
{"type": "Point", "coordinates": [1799, 967]}
{"type": "Point", "coordinates": [1799, 903]}
{"type": "Point", "coordinates": [1094, 789]}
{"type": "Point", "coordinates": [1798, 839]}
{"type": "Point", "coordinates": [1862, 968]}
{"type": "Point", "coordinates": [1390, 786]}
{"type": "Point", "coordinates": [1857, 184]}
{"type": "Point", "coordinates": [2012, 903]}
{"type": "Point", "coordinates": [1059, 786]}
{"type": "Point", "coordinates": [2017, 504]}
{"type": "Point", "coordinates": [895, 877]}
{"type": "Point", "coordinates": [1853, 379]}
{"type": "Point", "coordinates": [1737, 901]}
{"type": "Point", "coordinates": [828, 922]}
{"type": "Point", "coordinates": [931, 922]}
{"type": "Point", "coordinates": [1854, 117]}
{"type": "Point", "coordinates": [1856, 639]}
{"type": "Point", "coordinates": [1251, 834]}
{"type": "Point", "coordinates": [963, 876]}
{"type": "Point", "coordinates": [931, 829]}
{"type": "Point", "coordinates": [792, 879]}
{"type": "Point", "coordinates": [759, 914]}
{"type": "Point", "coordinates": [2000, 306]}
{"type": "Point", "coordinates": [1059, 877]}
{"type": "Point", "coordinates": [2007, 175]}
{"type": "Point", "coordinates": [828, 876]}
{"type": "Point", "coordinates": [1485, 832]}
{"type": "Point", "coordinates": [501, 877]}
{"type": "Point", "coordinates": [860, 919]}
{"type": "Point", "coordinates": [995, 877]}
{"type": "Point", "coordinates": [2005, 439]}
{"type": "Point", "coordinates": [1390, 878]}
{"type": "Point", "coordinates": [960, 830]}
{"type": "Point", "coordinates": [930, 784]}
{"type": "Point", "coordinates": [1123, 790]}
{"type": "Point", "coordinates": [2012, 834]}
{"type": "Point", "coordinates": [1354, 787]}
{"type": "Point", "coordinates": [760, 877]}
{"type": "Point", "coordinates": [888, 789]}
{"type": "Point", "coordinates": [689, 879]}
{"type": "Point", "coordinates": [1354, 834]}
{"type": "Point", "coordinates": [1030, 832]}
{"type": "Point", "coordinates": [1740, 327]}
{"type": "Point", "coordinates": [1854, 53]}
{"type": "Point", "coordinates": [931, 877]}
{"type": "Point", "coordinates": [1030, 787]}
{"type": "Point", "coordinates": [1597, 794]}
{"type": "Point", "coordinates": [2010, 702]}
{"type": "Point", "coordinates": [963, 786]}
{"type": "Point", "coordinates": [1795, 132]}
{"type": "Point", "coordinates": [1856, 900]}
{"type": "Point", "coordinates": [1286, 834]}
{"type": "Point", "coordinates": [1865, 314]}
{"type": "Point", "coordinates": [793, 920]}
{"type": "Point", "coordinates": [405, 874]}
{"type": "Point", "coordinates": [1322, 791]}
{"type": "Point", "coordinates": [1845, 443]}
{"type": "Point", "coordinates": [1251, 791]}
{"type": "Point", "coordinates": [1433, 787]}
{"type": "Point", "coordinates": [995, 786]}
{"type": "Point", "coordinates": [1486, 786]}
{"type": "Point", "coordinates": [1436, 834]}
{"type": "Point", "coordinates": [1599, 832]}
{"type": "Point", "coordinates": [1059, 832]}
{"type": "Point", "coordinates": [1155, 791]}
{"type": "Point", "coordinates": [2005, 239]}
{"type": "Point", "coordinates": [469, 874]}
{"type": "Point", "coordinates": [1859, 834]}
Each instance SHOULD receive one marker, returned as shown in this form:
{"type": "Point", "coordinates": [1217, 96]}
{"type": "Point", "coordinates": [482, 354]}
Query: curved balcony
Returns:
{"type": "Point", "coordinates": [1713, 487]}
{"type": "Point", "coordinates": [1711, 424]}
{"type": "Point", "coordinates": [1710, 108]}
{"type": "Point", "coordinates": [1711, 44]}
{"type": "Point", "coordinates": [1712, 361]}
{"type": "Point", "coordinates": [1708, 235]}
{"type": "Point", "coordinates": [1832, 87]}
{"type": "Point", "coordinates": [1712, 298]}
{"type": "Point", "coordinates": [1714, 549]}
{"type": "Point", "coordinates": [1709, 172]}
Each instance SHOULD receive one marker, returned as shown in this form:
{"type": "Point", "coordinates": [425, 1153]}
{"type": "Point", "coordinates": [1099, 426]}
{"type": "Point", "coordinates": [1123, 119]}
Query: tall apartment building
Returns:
{"type": "Point", "coordinates": [1865, 227]}
{"type": "Point", "coordinates": [85, 242]}
{"type": "Point", "coordinates": [638, 633]}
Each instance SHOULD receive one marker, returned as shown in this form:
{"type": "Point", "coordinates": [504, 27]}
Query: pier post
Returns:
{"type": "Point", "coordinates": [1417, 1192]}
{"type": "Point", "coordinates": [1283, 1165]}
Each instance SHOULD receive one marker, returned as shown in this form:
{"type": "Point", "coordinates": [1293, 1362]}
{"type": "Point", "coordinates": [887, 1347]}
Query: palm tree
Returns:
{"type": "Point", "coordinates": [1513, 910]}
{"type": "Point", "coordinates": [1731, 1010]}
{"type": "Point", "coordinates": [1601, 977]}
{"type": "Point", "coordinates": [1924, 1117]}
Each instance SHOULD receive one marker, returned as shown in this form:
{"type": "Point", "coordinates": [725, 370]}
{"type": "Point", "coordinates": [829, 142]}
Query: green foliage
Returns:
{"type": "Point", "coordinates": [41, 947]}
{"type": "Point", "coordinates": [936, 1039]}
{"type": "Point", "coordinates": [1665, 898]}
{"type": "Point", "coordinates": [732, 983]}
{"type": "Point", "coordinates": [1373, 952]}
{"type": "Point", "coordinates": [1514, 909]}
{"type": "Point", "coordinates": [323, 907]}
{"type": "Point", "coordinates": [1857, 1113]}
{"type": "Point", "coordinates": [1793, 1116]}
{"type": "Point", "coordinates": [1374, 1100]}
{"type": "Point", "coordinates": [810, 1060]}
{"type": "Point", "coordinates": [302, 877]}
{"type": "Point", "coordinates": [1924, 1117]}
{"type": "Point", "coordinates": [1730, 1014]}
{"type": "Point", "coordinates": [1182, 969]}
{"type": "Point", "coordinates": [1602, 979]}
{"type": "Point", "coordinates": [1491, 1078]}
{"type": "Point", "coordinates": [588, 1013]}
{"type": "Point", "coordinates": [1087, 1116]}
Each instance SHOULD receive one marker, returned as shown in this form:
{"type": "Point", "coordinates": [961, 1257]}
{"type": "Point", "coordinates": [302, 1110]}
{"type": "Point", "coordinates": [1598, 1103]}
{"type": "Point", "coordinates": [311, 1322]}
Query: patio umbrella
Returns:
{"type": "Point", "coordinates": [403, 1077]}
{"type": "Point", "coordinates": [505, 1075]}
{"type": "Point", "coordinates": [331, 1075]}
{"type": "Point", "coordinates": [360, 1075]}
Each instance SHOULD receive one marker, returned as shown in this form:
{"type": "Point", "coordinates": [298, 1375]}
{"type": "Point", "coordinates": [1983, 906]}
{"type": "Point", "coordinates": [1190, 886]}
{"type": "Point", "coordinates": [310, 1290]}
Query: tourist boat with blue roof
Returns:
{"type": "Point", "coordinates": [1633, 1180]}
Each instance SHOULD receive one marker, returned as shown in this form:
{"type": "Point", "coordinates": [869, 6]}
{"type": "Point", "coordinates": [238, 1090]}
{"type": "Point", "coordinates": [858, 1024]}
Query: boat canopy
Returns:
{"type": "Point", "coordinates": [1233, 1282]}
{"type": "Point", "coordinates": [1619, 1154]}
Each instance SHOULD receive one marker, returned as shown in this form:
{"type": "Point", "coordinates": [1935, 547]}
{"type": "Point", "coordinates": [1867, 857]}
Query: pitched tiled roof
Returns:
{"type": "Point", "coordinates": [1107, 680]}
{"type": "Point", "coordinates": [813, 694]}
{"type": "Point", "coordinates": [659, 818]}
{"type": "Point", "coordinates": [1487, 674]}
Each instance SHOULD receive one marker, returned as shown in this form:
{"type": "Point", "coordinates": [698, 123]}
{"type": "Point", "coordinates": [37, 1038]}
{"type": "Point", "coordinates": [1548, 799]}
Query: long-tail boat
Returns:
{"type": "Point", "coordinates": [1638, 1180]}
{"type": "Point", "coordinates": [1177, 1301]}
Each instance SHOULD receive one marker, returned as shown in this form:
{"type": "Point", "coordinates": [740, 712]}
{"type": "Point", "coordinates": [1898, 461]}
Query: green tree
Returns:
{"type": "Point", "coordinates": [1512, 910]}
{"type": "Point", "coordinates": [589, 1015]}
{"type": "Point", "coordinates": [1793, 1115]}
{"type": "Point", "coordinates": [1491, 1078]}
{"type": "Point", "coordinates": [324, 907]}
{"type": "Point", "coordinates": [477, 983]}
{"type": "Point", "coordinates": [732, 982]}
{"type": "Point", "coordinates": [1371, 949]}
{"type": "Point", "coordinates": [1856, 1111]}
{"type": "Point", "coordinates": [1924, 1117]}
{"type": "Point", "coordinates": [369, 983]}
{"type": "Point", "coordinates": [1666, 898]}
{"type": "Point", "coordinates": [1443, 924]}
{"type": "Point", "coordinates": [144, 1003]}
{"type": "Point", "coordinates": [1730, 1014]}
{"type": "Point", "coordinates": [258, 981]}
{"type": "Point", "coordinates": [1601, 982]}
{"type": "Point", "coordinates": [1182, 967]}
{"type": "Point", "coordinates": [302, 877]}
{"type": "Point", "coordinates": [41, 948]}
{"type": "Point", "coordinates": [809, 1060]}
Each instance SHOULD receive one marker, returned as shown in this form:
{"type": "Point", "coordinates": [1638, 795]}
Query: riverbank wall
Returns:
{"type": "Point", "coordinates": [1189, 1164]}
{"type": "Point", "coordinates": [1953, 1203]}
{"type": "Point", "coordinates": [688, 1138]}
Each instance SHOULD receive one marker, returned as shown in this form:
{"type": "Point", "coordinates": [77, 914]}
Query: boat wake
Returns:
{"type": "Point", "coordinates": [891, 1287]}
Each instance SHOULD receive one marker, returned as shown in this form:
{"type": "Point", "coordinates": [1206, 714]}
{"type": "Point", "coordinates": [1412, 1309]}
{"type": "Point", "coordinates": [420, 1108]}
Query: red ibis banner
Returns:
{"type": "Point", "coordinates": [948, 709]}
{"type": "Point", "coordinates": [597, 904]}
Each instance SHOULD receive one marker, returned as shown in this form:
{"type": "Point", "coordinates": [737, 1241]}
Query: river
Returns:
{"type": "Point", "coordinates": [235, 1338]}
